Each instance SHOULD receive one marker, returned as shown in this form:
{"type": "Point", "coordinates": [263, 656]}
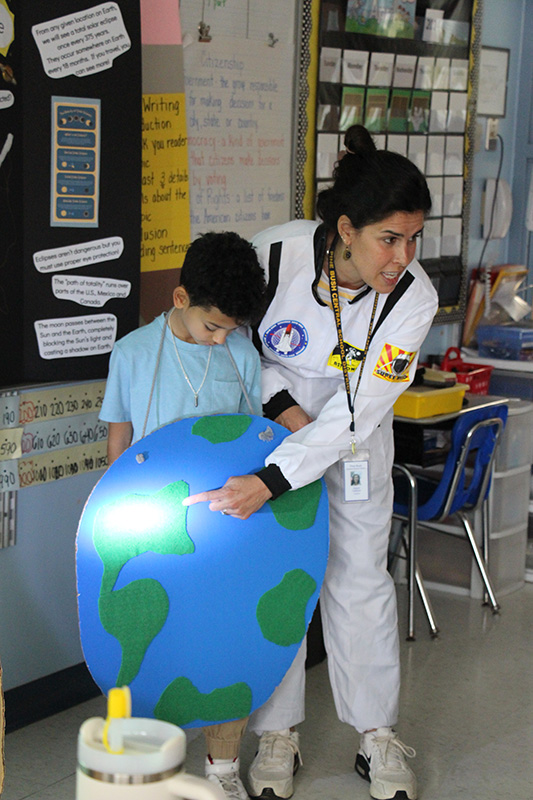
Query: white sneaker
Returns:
{"type": "Point", "coordinates": [381, 760]}
{"type": "Point", "coordinates": [275, 763]}
{"type": "Point", "coordinates": [225, 773]}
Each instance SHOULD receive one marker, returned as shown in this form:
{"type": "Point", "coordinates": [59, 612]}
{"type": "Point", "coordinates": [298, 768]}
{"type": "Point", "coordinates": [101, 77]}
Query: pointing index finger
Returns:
{"type": "Point", "coordinates": [201, 497]}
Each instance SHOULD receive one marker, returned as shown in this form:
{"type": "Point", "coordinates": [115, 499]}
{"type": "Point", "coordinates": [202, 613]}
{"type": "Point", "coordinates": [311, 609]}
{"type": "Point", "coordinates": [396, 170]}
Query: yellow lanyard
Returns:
{"type": "Point", "coordinates": [334, 292]}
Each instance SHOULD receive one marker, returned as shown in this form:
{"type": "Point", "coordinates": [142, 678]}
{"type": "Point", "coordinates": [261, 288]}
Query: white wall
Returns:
{"type": "Point", "coordinates": [39, 621]}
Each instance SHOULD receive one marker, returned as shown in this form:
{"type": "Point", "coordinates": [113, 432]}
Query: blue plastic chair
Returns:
{"type": "Point", "coordinates": [421, 499]}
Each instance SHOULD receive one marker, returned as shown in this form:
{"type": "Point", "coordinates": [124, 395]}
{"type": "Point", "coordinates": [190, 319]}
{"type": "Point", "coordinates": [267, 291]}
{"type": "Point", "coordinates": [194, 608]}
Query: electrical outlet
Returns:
{"type": "Point", "coordinates": [491, 134]}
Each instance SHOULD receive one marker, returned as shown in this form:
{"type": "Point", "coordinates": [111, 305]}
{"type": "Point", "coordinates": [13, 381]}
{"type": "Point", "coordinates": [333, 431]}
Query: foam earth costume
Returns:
{"type": "Point", "coordinates": [302, 364]}
{"type": "Point", "coordinates": [200, 614]}
{"type": "Point", "coordinates": [163, 589]}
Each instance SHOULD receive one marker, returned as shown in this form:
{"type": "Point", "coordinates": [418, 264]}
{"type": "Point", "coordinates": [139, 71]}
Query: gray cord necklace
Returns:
{"type": "Point", "coordinates": [195, 392]}
{"type": "Point", "coordinates": [156, 368]}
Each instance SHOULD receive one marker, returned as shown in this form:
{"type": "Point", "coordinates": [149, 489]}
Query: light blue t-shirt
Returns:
{"type": "Point", "coordinates": [131, 372]}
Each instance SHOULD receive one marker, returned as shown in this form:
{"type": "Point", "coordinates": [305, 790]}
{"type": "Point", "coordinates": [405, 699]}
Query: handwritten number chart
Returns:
{"type": "Point", "coordinates": [49, 434]}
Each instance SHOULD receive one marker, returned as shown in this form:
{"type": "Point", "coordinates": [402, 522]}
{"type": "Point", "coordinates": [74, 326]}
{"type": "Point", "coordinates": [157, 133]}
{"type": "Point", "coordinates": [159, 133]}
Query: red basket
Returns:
{"type": "Point", "coordinates": [475, 375]}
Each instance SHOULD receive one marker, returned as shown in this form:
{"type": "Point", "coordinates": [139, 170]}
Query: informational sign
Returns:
{"type": "Point", "coordinates": [84, 290]}
{"type": "Point", "coordinates": [64, 337]}
{"type": "Point", "coordinates": [75, 162]}
{"type": "Point", "coordinates": [82, 43]}
{"type": "Point", "coordinates": [9, 411]}
{"type": "Point", "coordinates": [10, 443]}
{"type": "Point", "coordinates": [89, 291]}
{"type": "Point", "coordinates": [263, 22]}
{"type": "Point", "coordinates": [78, 255]}
{"type": "Point", "coordinates": [165, 182]}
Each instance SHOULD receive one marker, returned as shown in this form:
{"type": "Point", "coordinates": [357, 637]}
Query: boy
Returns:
{"type": "Point", "coordinates": [171, 369]}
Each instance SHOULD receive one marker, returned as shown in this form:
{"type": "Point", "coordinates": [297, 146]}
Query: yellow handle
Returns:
{"type": "Point", "coordinates": [118, 707]}
{"type": "Point", "coordinates": [119, 702]}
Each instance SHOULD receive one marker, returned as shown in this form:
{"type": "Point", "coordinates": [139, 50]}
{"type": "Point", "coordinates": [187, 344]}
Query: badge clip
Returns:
{"type": "Point", "coordinates": [355, 475]}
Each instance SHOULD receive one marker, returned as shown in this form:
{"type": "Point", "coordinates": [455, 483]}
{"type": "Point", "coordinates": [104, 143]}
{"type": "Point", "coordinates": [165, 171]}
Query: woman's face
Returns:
{"type": "Point", "coordinates": [380, 252]}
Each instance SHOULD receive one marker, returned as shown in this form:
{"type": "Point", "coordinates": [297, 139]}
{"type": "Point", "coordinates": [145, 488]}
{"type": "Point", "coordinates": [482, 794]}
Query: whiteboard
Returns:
{"type": "Point", "coordinates": [239, 92]}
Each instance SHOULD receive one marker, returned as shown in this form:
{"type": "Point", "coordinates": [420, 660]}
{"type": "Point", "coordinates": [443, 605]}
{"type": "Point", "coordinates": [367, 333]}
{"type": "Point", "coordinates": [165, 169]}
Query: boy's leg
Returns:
{"type": "Point", "coordinates": [224, 740]}
{"type": "Point", "coordinates": [222, 763]}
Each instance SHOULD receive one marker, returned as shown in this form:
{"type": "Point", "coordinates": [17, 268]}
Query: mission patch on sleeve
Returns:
{"type": "Point", "coordinates": [393, 364]}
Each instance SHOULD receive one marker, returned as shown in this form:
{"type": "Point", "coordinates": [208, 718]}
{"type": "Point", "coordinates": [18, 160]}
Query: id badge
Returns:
{"type": "Point", "coordinates": [355, 476]}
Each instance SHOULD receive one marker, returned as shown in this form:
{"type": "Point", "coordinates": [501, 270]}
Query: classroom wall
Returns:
{"type": "Point", "coordinates": [504, 24]}
{"type": "Point", "coordinates": [38, 625]}
{"type": "Point", "coordinates": [39, 621]}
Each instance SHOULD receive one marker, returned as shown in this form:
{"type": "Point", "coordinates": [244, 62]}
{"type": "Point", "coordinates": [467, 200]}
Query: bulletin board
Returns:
{"type": "Point", "coordinates": [70, 172]}
{"type": "Point", "coordinates": [408, 71]}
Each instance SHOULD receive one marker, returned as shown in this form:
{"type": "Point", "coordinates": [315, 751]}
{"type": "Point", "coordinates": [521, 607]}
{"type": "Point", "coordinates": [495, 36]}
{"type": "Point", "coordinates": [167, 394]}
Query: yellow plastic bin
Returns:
{"type": "Point", "coordinates": [425, 401]}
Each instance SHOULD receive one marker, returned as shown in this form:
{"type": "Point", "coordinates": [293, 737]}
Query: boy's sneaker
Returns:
{"type": "Point", "coordinates": [381, 760]}
{"type": "Point", "coordinates": [225, 773]}
{"type": "Point", "coordinates": [275, 763]}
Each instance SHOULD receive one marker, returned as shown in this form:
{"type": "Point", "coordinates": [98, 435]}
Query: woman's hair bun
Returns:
{"type": "Point", "coordinates": [358, 141]}
{"type": "Point", "coordinates": [370, 184]}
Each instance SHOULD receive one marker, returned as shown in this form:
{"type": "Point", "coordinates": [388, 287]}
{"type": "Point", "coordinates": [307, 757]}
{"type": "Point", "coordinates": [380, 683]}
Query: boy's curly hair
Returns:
{"type": "Point", "coordinates": [222, 270]}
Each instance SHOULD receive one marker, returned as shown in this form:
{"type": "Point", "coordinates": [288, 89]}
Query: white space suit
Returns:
{"type": "Point", "coordinates": [299, 344]}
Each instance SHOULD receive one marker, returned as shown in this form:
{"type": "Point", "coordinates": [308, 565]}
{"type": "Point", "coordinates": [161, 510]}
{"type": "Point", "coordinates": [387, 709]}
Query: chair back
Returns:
{"type": "Point", "coordinates": [477, 439]}
{"type": "Point", "coordinates": [467, 472]}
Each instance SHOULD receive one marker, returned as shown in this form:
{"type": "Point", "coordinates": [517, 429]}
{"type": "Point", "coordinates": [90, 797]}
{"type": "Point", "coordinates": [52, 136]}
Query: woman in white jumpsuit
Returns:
{"type": "Point", "coordinates": [371, 219]}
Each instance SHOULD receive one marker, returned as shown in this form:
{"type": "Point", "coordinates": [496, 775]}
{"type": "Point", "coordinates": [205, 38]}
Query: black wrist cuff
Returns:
{"type": "Point", "coordinates": [274, 480]}
{"type": "Point", "coordinates": [278, 403]}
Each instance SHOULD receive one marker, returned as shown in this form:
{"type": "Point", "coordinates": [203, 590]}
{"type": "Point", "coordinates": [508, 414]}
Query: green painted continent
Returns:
{"type": "Point", "coordinates": [281, 611]}
{"type": "Point", "coordinates": [135, 524]}
{"type": "Point", "coordinates": [296, 510]}
{"type": "Point", "coordinates": [134, 615]}
{"type": "Point", "coordinates": [181, 703]}
{"type": "Point", "coordinates": [126, 528]}
{"type": "Point", "coordinates": [222, 428]}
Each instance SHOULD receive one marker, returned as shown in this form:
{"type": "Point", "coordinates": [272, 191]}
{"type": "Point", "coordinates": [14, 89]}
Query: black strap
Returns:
{"type": "Point", "coordinates": [274, 260]}
{"type": "Point", "coordinates": [335, 305]}
{"type": "Point", "coordinates": [319, 248]}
